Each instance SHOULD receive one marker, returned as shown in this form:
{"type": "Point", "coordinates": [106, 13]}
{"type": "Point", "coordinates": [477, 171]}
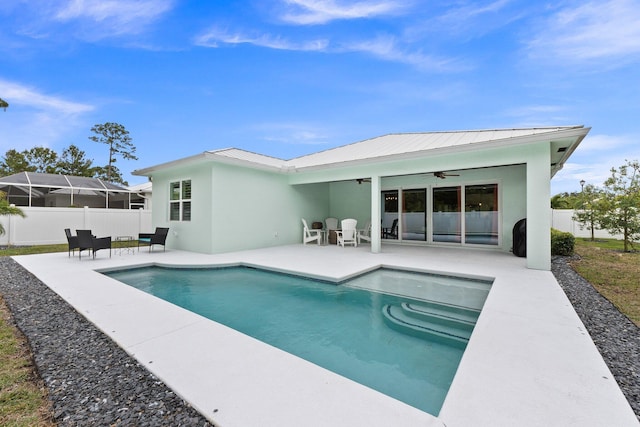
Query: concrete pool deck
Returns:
{"type": "Point", "coordinates": [530, 361]}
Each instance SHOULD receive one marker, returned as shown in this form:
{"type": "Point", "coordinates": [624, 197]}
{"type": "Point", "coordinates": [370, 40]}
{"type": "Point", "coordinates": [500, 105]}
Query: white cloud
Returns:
{"type": "Point", "coordinates": [388, 49]}
{"type": "Point", "coordinates": [89, 19]}
{"type": "Point", "coordinates": [382, 47]}
{"type": "Point", "coordinates": [538, 115]}
{"type": "Point", "coordinates": [35, 118]}
{"type": "Point", "coordinates": [592, 30]}
{"type": "Point", "coordinates": [32, 98]}
{"type": "Point", "coordinates": [312, 12]}
{"type": "Point", "coordinates": [293, 133]}
{"type": "Point", "coordinates": [216, 36]}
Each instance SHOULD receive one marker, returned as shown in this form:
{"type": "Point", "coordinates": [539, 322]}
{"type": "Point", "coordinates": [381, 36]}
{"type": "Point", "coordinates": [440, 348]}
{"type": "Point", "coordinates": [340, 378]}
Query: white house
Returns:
{"type": "Point", "coordinates": [461, 188]}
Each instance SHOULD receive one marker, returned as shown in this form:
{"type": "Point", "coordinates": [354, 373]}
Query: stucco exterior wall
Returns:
{"type": "Point", "coordinates": [237, 208]}
{"type": "Point", "coordinates": [194, 235]}
{"type": "Point", "coordinates": [256, 209]}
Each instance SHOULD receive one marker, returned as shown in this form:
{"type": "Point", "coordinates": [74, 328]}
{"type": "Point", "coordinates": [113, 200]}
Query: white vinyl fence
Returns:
{"type": "Point", "coordinates": [45, 225]}
{"type": "Point", "coordinates": [562, 219]}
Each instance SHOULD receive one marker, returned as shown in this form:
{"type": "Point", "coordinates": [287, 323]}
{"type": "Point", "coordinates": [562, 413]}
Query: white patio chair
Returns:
{"type": "Point", "coordinates": [309, 234]}
{"type": "Point", "coordinates": [365, 233]}
{"type": "Point", "coordinates": [347, 235]}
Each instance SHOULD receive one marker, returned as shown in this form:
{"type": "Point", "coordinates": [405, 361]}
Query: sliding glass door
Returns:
{"type": "Point", "coordinates": [414, 215]}
{"type": "Point", "coordinates": [465, 214]}
{"type": "Point", "coordinates": [481, 214]}
{"type": "Point", "coordinates": [447, 226]}
{"type": "Point", "coordinates": [389, 226]}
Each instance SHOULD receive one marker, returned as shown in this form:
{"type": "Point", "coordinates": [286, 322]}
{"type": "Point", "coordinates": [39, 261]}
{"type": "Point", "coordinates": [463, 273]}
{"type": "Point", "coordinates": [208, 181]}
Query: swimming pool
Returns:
{"type": "Point", "coordinates": [407, 347]}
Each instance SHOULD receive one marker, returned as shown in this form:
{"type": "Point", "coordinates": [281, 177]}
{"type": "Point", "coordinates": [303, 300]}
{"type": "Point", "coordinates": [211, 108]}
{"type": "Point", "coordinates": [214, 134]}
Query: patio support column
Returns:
{"type": "Point", "coordinates": [538, 199]}
{"type": "Point", "coordinates": [375, 214]}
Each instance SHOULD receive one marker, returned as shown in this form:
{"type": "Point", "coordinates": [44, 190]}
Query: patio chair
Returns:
{"type": "Point", "coordinates": [392, 233]}
{"type": "Point", "coordinates": [72, 241]}
{"type": "Point", "coordinates": [157, 238]}
{"type": "Point", "coordinates": [365, 233]}
{"type": "Point", "coordinates": [87, 241]}
{"type": "Point", "coordinates": [331, 227]}
{"type": "Point", "coordinates": [310, 234]}
{"type": "Point", "coordinates": [347, 234]}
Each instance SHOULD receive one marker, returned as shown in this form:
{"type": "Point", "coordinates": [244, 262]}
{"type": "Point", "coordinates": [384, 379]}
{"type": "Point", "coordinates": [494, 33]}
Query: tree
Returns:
{"type": "Point", "coordinates": [621, 204]}
{"type": "Point", "coordinates": [73, 162]}
{"type": "Point", "coordinates": [119, 142]}
{"type": "Point", "coordinates": [565, 201]}
{"type": "Point", "coordinates": [42, 159]}
{"type": "Point", "coordinates": [101, 172]}
{"type": "Point", "coordinates": [14, 162]}
{"type": "Point", "coordinates": [7, 209]}
{"type": "Point", "coordinates": [3, 104]}
{"type": "Point", "coordinates": [590, 209]}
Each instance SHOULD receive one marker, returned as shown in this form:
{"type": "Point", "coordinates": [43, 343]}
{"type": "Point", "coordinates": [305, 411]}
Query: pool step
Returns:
{"type": "Point", "coordinates": [453, 327]}
{"type": "Point", "coordinates": [432, 309]}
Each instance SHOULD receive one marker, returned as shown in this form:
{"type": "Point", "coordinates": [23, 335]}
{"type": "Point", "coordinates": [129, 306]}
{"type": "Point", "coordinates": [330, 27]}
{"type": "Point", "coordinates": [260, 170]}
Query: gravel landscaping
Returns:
{"type": "Point", "coordinates": [92, 381]}
{"type": "Point", "coordinates": [617, 337]}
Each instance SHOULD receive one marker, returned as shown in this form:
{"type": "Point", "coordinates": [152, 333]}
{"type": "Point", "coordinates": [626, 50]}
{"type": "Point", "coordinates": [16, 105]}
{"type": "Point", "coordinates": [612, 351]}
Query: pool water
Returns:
{"type": "Point", "coordinates": [377, 339]}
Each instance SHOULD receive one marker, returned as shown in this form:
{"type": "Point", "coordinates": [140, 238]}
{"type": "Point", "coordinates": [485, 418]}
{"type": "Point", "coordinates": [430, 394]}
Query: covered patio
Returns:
{"type": "Point", "coordinates": [529, 362]}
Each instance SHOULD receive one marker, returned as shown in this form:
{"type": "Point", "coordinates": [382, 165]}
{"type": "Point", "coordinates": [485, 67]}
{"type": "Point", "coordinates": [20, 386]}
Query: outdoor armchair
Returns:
{"type": "Point", "coordinates": [310, 234]}
{"type": "Point", "coordinates": [150, 239]}
{"type": "Point", "coordinates": [72, 241]}
{"type": "Point", "coordinates": [87, 241]}
{"type": "Point", "coordinates": [347, 234]}
{"type": "Point", "coordinates": [365, 233]}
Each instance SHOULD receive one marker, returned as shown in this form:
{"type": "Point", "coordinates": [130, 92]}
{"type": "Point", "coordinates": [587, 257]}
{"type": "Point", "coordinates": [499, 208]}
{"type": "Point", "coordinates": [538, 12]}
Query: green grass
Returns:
{"type": "Point", "coordinates": [30, 250]}
{"type": "Point", "coordinates": [614, 273]}
{"type": "Point", "coordinates": [23, 397]}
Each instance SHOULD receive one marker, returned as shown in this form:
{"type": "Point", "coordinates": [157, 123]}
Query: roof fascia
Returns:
{"type": "Point", "coordinates": [198, 158]}
{"type": "Point", "coordinates": [574, 145]}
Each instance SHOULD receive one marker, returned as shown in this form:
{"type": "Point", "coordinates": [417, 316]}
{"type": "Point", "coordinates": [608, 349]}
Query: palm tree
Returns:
{"type": "Point", "coordinates": [3, 104]}
{"type": "Point", "coordinates": [7, 209]}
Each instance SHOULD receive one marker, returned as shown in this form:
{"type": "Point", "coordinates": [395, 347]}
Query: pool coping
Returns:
{"type": "Point", "coordinates": [530, 361]}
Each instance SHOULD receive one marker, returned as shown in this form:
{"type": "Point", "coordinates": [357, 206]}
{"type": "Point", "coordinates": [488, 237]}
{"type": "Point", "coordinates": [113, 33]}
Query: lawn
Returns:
{"type": "Point", "coordinates": [23, 396]}
{"type": "Point", "coordinates": [614, 273]}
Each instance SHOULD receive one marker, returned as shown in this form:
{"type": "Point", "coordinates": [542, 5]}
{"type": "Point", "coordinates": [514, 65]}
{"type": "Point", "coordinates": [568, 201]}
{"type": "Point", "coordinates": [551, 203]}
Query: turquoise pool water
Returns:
{"type": "Point", "coordinates": [383, 341]}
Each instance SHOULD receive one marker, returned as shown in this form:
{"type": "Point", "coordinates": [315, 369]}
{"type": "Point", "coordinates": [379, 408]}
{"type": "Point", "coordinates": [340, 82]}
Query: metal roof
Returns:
{"type": "Point", "coordinates": [396, 146]}
{"type": "Point", "coordinates": [50, 180]}
{"type": "Point", "coordinates": [403, 144]}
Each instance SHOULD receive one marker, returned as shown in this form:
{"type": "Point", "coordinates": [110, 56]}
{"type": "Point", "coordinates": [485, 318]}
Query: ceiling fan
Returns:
{"type": "Point", "coordinates": [361, 180]}
{"type": "Point", "coordinates": [443, 175]}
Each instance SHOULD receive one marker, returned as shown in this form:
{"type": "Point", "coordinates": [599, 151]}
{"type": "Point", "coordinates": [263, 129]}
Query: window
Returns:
{"type": "Point", "coordinates": [180, 201]}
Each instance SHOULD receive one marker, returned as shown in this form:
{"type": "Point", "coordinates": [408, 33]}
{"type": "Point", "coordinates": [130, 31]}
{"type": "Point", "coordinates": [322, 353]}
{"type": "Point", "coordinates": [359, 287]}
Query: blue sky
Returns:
{"type": "Point", "coordinates": [291, 77]}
